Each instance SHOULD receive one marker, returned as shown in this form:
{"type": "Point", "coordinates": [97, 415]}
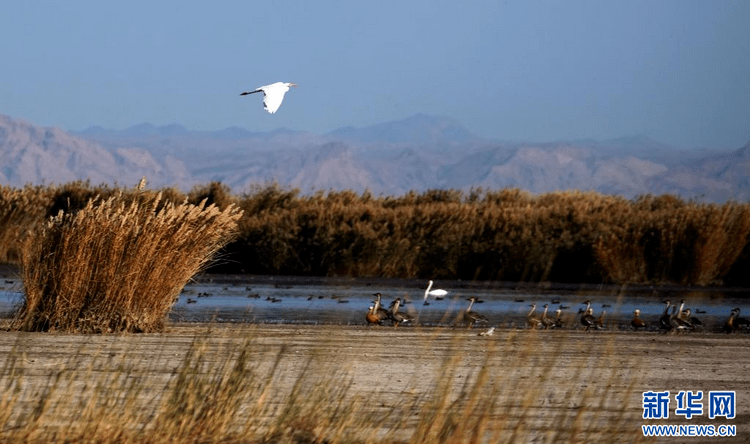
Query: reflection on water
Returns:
{"type": "Point", "coordinates": [265, 299]}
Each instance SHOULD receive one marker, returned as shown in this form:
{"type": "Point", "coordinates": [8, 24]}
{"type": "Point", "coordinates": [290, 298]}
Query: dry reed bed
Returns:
{"type": "Point", "coordinates": [21, 210]}
{"type": "Point", "coordinates": [505, 234]}
{"type": "Point", "coordinates": [314, 385]}
{"type": "Point", "coordinates": [117, 264]}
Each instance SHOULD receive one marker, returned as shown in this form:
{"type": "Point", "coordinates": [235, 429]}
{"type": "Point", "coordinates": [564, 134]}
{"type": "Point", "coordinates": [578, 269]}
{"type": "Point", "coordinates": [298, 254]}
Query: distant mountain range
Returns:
{"type": "Point", "coordinates": [418, 153]}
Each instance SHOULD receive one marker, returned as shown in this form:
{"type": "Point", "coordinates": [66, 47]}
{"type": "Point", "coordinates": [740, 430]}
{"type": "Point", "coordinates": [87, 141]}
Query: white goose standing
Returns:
{"type": "Point", "coordinates": [437, 293]}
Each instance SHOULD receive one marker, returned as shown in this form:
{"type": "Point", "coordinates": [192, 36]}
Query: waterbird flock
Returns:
{"type": "Point", "coordinates": [675, 318]}
{"type": "Point", "coordinates": [678, 319]}
{"type": "Point", "coordinates": [378, 315]}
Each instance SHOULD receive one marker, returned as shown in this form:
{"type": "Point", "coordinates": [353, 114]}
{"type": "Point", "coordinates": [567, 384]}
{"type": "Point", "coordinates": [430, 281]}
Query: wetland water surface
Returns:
{"type": "Point", "coordinates": [266, 299]}
{"type": "Point", "coordinates": [344, 301]}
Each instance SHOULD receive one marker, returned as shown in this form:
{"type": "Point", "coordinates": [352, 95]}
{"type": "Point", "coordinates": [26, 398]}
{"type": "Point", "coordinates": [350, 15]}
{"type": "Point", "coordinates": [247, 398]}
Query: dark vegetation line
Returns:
{"type": "Point", "coordinates": [507, 234]}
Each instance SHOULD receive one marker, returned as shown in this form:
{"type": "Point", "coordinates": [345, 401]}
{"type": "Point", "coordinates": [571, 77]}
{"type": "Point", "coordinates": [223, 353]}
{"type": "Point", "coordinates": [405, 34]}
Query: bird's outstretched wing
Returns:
{"type": "Point", "coordinates": [273, 95]}
{"type": "Point", "coordinates": [272, 100]}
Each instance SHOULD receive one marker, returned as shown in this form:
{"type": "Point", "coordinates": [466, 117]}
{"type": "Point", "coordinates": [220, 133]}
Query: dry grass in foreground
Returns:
{"type": "Point", "coordinates": [117, 264]}
{"type": "Point", "coordinates": [242, 386]}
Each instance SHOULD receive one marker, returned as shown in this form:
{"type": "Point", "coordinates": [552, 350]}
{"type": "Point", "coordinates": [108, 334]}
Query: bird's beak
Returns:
{"type": "Point", "coordinates": [293, 84]}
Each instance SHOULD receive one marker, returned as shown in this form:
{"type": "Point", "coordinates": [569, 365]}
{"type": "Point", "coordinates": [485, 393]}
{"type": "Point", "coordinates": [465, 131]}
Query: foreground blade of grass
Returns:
{"type": "Point", "coordinates": [239, 386]}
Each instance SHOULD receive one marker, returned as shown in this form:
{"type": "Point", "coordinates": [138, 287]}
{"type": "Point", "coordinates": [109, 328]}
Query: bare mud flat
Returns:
{"type": "Point", "coordinates": [550, 386]}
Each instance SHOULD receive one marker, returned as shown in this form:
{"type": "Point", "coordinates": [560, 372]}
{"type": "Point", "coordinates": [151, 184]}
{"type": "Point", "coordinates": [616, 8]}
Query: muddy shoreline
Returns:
{"type": "Point", "coordinates": [597, 377]}
{"type": "Point", "coordinates": [397, 365]}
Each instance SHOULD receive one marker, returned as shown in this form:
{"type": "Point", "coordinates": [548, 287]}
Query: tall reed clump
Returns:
{"type": "Point", "coordinates": [117, 264]}
{"type": "Point", "coordinates": [21, 210]}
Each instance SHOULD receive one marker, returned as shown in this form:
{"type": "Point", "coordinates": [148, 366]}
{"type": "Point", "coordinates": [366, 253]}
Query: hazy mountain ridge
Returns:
{"type": "Point", "coordinates": [417, 129]}
{"type": "Point", "coordinates": [36, 155]}
{"type": "Point", "coordinates": [416, 153]}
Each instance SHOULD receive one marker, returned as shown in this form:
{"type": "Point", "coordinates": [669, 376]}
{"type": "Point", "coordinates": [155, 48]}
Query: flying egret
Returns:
{"type": "Point", "coordinates": [439, 294]}
{"type": "Point", "coordinates": [273, 95]}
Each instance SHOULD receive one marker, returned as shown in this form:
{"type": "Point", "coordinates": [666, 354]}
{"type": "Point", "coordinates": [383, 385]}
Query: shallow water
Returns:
{"type": "Point", "coordinates": [345, 301]}
{"type": "Point", "coordinates": [299, 300]}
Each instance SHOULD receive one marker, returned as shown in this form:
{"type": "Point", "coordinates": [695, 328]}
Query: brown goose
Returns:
{"type": "Point", "coordinates": [558, 318]}
{"type": "Point", "coordinates": [587, 318]}
{"type": "Point", "coordinates": [396, 316]}
{"type": "Point", "coordinates": [735, 322]}
{"type": "Point", "coordinates": [532, 320]}
{"type": "Point", "coordinates": [637, 322]}
{"type": "Point", "coordinates": [664, 321]}
{"type": "Point", "coordinates": [546, 321]}
{"type": "Point", "coordinates": [729, 325]}
{"type": "Point", "coordinates": [377, 314]}
{"type": "Point", "coordinates": [694, 321]}
{"type": "Point", "coordinates": [473, 317]}
{"type": "Point", "coordinates": [600, 319]}
{"type": "Point", "coordinates": [371, 317]}
{"type": "Point", "coordinates": [679, 324]}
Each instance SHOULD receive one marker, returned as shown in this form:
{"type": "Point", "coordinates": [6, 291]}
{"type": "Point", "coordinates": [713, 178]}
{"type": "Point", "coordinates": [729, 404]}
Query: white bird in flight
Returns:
{"type": "Point", "coordinates": [273, 95]}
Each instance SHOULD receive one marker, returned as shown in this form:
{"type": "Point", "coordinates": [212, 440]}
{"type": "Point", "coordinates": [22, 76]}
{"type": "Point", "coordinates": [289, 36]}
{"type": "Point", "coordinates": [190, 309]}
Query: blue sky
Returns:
{"type": "Point", "coordinates": [676, 71]}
